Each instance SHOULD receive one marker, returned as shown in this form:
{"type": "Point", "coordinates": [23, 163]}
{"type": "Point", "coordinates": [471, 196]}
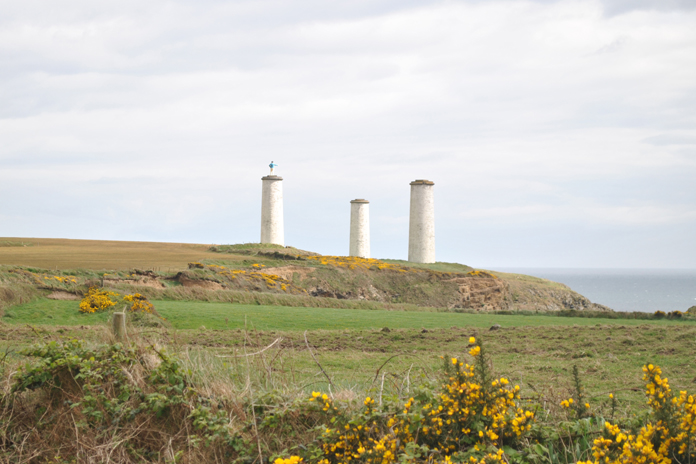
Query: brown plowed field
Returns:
{"type": "Point", "coordinates": [52, 253]}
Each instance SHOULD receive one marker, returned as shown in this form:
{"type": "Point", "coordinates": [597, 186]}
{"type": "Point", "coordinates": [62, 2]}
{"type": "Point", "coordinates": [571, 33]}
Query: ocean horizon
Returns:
{"type": "Point", "coordinates": [644, 290]}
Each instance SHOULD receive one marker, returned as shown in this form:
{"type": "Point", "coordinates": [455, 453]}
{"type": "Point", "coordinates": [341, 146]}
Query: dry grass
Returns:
{"type": "Point", "coordinates": [52, 253]}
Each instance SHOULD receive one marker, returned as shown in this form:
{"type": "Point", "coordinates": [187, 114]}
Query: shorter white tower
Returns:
{"type": "Point", "coordinates": [421, 229]}
{"type": "Point", "coordinates": [360, 228]}
{"type": "Point", "coordinates": [272, 210]}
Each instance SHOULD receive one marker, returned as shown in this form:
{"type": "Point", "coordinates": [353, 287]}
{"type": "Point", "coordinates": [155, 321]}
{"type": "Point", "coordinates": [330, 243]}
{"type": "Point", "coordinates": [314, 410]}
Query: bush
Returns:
{"type": "Point", "coordinates": [668, 436]}
{"type": "Point", "coordinates": [139, 304]}
{"type": "Point", "coordinates": [138, 405]}
{"type": "Point", "coordinates": [130, 401]}
{"type": "Point", "coordinates": [472, 416]}
{"type": "Point", "coordinates": [97, 300]}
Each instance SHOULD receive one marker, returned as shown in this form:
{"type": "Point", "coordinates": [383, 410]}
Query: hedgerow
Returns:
{"type": "Point", "coordinates": [137, 403]}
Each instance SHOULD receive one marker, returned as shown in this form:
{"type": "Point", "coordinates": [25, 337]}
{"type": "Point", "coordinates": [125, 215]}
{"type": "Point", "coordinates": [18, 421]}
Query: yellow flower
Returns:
{"type": "Point", "coordinates": [472, 340]}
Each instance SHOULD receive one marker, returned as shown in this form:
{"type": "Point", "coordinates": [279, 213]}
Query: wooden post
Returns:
{"type": "Point", "coordinates": [119, 325]}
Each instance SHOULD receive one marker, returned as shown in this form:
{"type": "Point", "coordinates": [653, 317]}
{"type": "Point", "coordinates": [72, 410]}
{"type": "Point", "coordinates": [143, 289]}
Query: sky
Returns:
{"type": "Point", "coordinates": [558, 133]}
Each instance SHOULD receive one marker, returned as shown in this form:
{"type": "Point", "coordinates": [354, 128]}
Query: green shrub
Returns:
{"type": "Point", "coordinates": [128, 399]}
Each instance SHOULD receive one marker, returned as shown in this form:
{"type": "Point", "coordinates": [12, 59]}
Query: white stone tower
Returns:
{"type": "Point", "coordinates": [272, 210]}
{"type": "Point", "coordinates": [360, 228]}
{"type": "Point", "coordinates": [421, 229]}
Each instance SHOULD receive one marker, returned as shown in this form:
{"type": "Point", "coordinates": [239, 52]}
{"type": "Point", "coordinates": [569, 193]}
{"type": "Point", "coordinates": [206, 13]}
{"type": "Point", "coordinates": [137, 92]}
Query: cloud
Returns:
{"type": "Point", "coordinates": [616, 7]}
{"type": "Point", "coordinates": [670, 139]}
{"type": "Point", "coordinates": [157, 119]}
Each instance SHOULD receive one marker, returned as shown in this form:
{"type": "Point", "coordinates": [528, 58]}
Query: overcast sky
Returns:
{"type": "Point", "coordinates": [558, 133]}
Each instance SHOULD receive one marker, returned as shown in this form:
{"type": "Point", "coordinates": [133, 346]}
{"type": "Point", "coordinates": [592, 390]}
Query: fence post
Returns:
{"type": "Point", "coordinates": [119, 325]}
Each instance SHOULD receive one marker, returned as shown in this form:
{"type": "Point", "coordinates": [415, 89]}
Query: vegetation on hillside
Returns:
{"type": "Point", "coordinates": [77, 401]}
{"type": "Point", "coordinates": [294, 276]}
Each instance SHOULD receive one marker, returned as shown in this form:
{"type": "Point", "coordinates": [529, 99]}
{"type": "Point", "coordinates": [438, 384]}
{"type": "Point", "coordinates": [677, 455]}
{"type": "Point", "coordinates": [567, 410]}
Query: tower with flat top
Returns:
{"type": "Point", "coordinates": [421, 227]}
{"type": "Point", "coordinates": [272, 210]}
{"type": "Point", "coordinates": [359, 228]}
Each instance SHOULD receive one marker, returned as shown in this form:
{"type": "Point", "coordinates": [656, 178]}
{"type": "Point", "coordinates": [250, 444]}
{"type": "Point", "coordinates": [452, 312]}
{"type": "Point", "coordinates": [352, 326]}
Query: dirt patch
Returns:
{"type": "Point", "coordinates": [144, 281]}
{"type": "Point", "coordinates": [61, 295]}
{"type": "Point", "coordinates": [206, 284]}
{"type": "Point", "coordinates": [286, 272]}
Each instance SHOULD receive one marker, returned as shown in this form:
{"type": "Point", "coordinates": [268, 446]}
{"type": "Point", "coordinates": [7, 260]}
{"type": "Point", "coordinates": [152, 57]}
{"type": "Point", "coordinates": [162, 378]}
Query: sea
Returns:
{"type": "Point", "coordinates": [645, 290]}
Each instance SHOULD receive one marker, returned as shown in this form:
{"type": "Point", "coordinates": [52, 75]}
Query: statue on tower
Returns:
{"type": "Point", "coordinates": [272, 165]}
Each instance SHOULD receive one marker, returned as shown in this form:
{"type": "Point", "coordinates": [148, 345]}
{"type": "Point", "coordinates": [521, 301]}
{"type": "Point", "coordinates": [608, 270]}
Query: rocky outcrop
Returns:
{"type": "Point", "coordinates": [529, 293]}
{"type": "Point", "coordinates": [485, 293]}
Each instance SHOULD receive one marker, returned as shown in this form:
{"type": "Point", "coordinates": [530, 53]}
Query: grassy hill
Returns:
{"type": "Point", "coordinates": [266, 274]}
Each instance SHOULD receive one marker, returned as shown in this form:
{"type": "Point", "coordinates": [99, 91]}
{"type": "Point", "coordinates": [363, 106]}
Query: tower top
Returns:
{"type": "Point", "coordinates": [271, 178]}
{"type": "Point", "coordinates": [359, 200]}
{"type": "Point", "coordinates": [422, 182]}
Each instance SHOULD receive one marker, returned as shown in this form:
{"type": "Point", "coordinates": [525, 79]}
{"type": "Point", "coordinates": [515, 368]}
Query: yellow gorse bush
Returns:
{"type": "Point", "coordinates": [290, 460]}
{"type": "Point", "coordinates": [272, 281]}
{"type": "Point", "coordinates": [96, 300]}
{"type": "Point", "coordinates": [669, 436]}
{"type": "Point", "coordinates": [139, 303]}
{"type": "Point", "coordinates": [470, 418]}
{"type": "Point", "coordinates": [62, 279]}
{"type": "Point", "coordinates": [323, 398]}
{"type": "Point", "coordinates": [478, 273]}
{"type": "Point", "coordinates": [41, 279]}
{"type": "Point", "coordinates": [567, 403]}
{"type": "Point", "coordinates": [354, 262]}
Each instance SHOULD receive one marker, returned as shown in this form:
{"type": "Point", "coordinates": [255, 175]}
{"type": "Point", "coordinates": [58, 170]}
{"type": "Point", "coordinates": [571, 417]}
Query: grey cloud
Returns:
{"type": "Point", "coordinates": [616, 7]}
{"type": "Point", "coordinates": [613, 46]}
{"type": "Point", "coordinates": [670, 139]}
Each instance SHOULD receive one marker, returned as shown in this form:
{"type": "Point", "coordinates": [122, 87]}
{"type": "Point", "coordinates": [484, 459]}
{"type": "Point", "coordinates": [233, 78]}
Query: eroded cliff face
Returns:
{"type": "Point", "coordinates": [443, 285]}
{"type": "Point", "coordinates": [529, 293]}
{"type": "Point", "coordinates": [477, 290]}
{"type": "Point", "coordinates": [486, 293]}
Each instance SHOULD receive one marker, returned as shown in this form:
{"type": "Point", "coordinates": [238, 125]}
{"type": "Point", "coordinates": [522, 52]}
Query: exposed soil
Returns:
{"type": "Point", "coordinates": [206, 284]}
{"type": "Point", "coordinates": [145, 281]}
{"type": "Point", "coordinates": [60, 295]}
{"type": "Point", "coordinates": [287, 272]}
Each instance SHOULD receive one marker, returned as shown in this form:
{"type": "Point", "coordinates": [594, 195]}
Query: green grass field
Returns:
{"type": "Point", "coordinates": [192, 315]}
{"type": "Point", "coordinates": [536, 352]}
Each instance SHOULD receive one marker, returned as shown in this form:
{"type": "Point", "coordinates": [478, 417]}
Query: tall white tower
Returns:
{"type": "Point", "coordinates": [421, 230]}
{"type": "Point", "coordinates": [360, 228]}
{"type": "Point", "coordinates": [272, 210]}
